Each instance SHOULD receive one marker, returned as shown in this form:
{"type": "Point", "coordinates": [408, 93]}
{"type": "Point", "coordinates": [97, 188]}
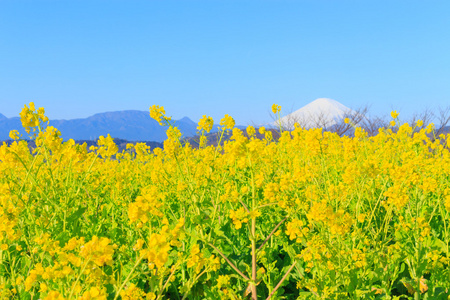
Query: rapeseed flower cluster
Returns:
{"type": "Point", "coordinates": [205, 123]}
{"type": "Point", "coordinates": [32, 117]}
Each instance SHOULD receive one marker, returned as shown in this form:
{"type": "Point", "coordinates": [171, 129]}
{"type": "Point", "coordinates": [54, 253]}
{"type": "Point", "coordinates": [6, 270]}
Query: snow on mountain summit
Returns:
{"type": "Point", "coordinates": [322, 112]}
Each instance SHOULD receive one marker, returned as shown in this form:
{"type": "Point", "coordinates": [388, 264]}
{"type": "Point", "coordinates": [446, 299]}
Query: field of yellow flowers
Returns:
{"type": "Point", "coordinates": [310, 216]}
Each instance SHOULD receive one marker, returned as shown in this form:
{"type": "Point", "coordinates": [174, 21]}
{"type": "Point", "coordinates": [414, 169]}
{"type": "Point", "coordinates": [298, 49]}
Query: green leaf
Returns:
{"type": "Point", "coordinates": [76, 215]}
{"type": "Point", "coordinates": [402, 267]}
{"type": "Point", "coordinates": [63, 238]}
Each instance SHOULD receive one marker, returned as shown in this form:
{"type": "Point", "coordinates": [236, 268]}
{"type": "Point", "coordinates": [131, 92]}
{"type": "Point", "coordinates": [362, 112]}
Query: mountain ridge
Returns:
{"type": "Point", "coordinates": [132, 125]}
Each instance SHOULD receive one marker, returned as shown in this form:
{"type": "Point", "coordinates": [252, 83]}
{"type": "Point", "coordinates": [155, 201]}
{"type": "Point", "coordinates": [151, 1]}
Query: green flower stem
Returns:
{"type": "Point", "coordinates": [284, 277]}
{"type": "Point", "coordinates": [281, 281]}
{"type": "Point", "coordinates": [254, 266]}
{"type": "Point", "coordinates": [167, 281]}
{"type": "Point", "coordinates": [78, 278]}
{"type": "Point", "coordinates": [129, 275]}
{"type": "Point", "coordinates": [193, 282]}
{"type": "Point", "coordinates": [253, 238]}
{"type": "Point", "coordinates": [245, 206]}
{"type": "Point", "coordinates": [273, 231]}
{"type": "Point", "coordinates": [229, 262]}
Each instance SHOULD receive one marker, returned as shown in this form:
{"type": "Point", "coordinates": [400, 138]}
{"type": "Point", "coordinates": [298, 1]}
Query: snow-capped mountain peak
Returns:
{"type": "Point", "coordinates": [322, 112]}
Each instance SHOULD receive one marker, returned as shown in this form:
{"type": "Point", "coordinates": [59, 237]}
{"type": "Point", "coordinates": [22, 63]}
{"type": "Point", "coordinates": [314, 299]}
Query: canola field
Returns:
{"type": "Point", "coordinates": [311, 215]}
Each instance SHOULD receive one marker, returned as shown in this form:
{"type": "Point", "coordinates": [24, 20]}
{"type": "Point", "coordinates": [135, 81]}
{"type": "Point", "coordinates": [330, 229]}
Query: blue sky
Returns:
{"type": "Point", "coordinates": [79, 57]}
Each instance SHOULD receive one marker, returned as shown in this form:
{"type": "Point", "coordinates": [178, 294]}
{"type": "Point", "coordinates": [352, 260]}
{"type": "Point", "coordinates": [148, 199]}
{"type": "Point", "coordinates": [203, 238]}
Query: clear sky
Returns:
{"type": "Point", "coordinates": [81, 57]}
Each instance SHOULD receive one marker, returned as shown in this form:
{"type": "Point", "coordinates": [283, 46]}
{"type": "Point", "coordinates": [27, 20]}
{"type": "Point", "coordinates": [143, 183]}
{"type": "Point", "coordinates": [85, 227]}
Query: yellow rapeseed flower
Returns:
{"type": "Point", "coordinates": [205, 123]}
{"type": "Point", "coordinates": [54, 295]}
{"type": "Point", "coordinates": [227, 122]}
{"type": "Point", "coordinates": [223, 281]}
{"type": "Point", "coordinates": [276, 108]}
{"type": "Point", "coordinates": [394, 114]}
{"type": "Point", "coordinates": [157, 113]}
{"type": "Point", "coordinates": [14, 135]}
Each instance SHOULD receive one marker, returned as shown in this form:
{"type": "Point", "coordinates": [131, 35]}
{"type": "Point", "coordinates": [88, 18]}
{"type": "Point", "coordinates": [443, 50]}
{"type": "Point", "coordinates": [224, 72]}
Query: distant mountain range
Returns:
{"type": "Point", "coordinates": [131, 125]}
